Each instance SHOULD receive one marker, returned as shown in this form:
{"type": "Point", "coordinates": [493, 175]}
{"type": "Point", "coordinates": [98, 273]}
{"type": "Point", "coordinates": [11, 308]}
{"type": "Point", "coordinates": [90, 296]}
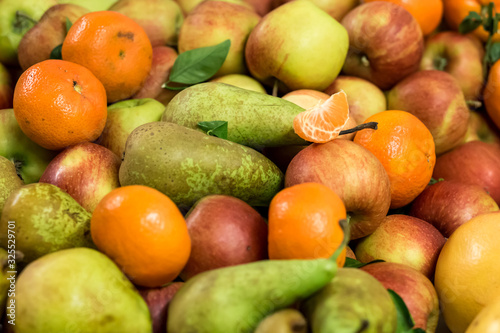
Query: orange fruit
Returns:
{"type": "Point", "coordinates": [428, 13]}
{"type": "Point", "coordinates": [406, 149]}
{"type": "Point", "coordinates": [324, 121]}
{"type": "Point", "coordinates": [114, 47]}
{"type": "Point", "coordinates": [58, 103]}
{"type": "Point", "coordinates": [491, 94]}
{"type": "Point", "coordinates": [304, 223]}
{"type": "Point", "coordinates": [467, 271]}
{"type": "Point", "coordinates": [456, 10]}
{"type": "Point", "coordinates": [143, 232]}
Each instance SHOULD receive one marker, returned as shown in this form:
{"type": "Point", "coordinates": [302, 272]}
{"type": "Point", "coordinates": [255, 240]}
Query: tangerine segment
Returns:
{"type": "Point", "coordinates": [323, 122]}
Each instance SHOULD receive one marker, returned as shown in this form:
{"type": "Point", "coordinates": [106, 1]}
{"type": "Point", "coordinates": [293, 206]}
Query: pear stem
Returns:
{"type": "Point", "coordinates": [346, 227]}
{"type": "Point", "coordinates": [474, 105]}
{"type": "Point", "coordinates": [371, 124]}
{"type": "Point", "coordinates": [275, 88]}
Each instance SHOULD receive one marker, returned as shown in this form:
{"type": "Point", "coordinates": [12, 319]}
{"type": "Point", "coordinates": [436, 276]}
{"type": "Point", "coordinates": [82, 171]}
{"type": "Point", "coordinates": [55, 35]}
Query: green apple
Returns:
{"type": "Point", "coordinates": [213, 22]}
{"type": "Point", "coordinates": [16, 18]}
{"type": "Point", "coordinates": [92, 5]}
{"type": "Point", "coordinates": [124, 117]}
{"type": "Point", "coordinates": [6, 88]}
{"type": "Point", "coordinates": [298, 44]}
{"type": "Point", "coordinates": [242, 81]}
{"type": "Point", "coordinates": [29, 158]}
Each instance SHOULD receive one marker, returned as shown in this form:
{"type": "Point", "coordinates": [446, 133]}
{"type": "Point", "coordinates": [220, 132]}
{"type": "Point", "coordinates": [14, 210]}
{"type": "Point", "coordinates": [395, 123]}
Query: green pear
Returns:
{"type": "Point", "coordinates": [187, 165]}
{"type": "Point", "coordinates": [353, 301]}
{"type": "Point", "coordinates": [9, 180]}
{"type": "Point", "coordinates": [4, 277]}
{"type": "Point", "coordinates": [16, 18]}
{"type": "Point", "coordinates": [38, 43]}
{"type": "Point", "coordinates": [298, 44]}
{"type": "Point", "coordinates": [29, 158]}
{"type": "Point", "coordinates": [254, 119]}
{"type": "Point", "coordinates": [124, 117]}
{"type": "Point", "coordinates": [46, 219]}
{"type": "Point", "coordinates": [78, 290]}
{"type": "Point", "coordinates": [241, 81]}
{"type": "Point", "coordinates": [283, 321]}
{"type": "Point", "coordinates": [92, 5]}
{"type": "Point", "coordinates": [213, 22]}
{"type": "Point", "coordinates": [237, 298]}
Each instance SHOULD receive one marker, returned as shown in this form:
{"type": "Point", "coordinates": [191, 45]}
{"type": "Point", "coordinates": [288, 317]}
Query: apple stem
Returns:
{"type": "Point", "coordinates": [474, 105]}
{"type": "Point", "coordinates": [364, 61]}
{"type": "Point", "coordinates": [371, 124]}
{"type": "Point", "coordinates": [275, 88]}
{"type": "Point", "coordinates": [440, 63]}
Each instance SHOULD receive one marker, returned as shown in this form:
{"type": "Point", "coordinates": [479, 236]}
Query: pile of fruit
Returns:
{"type": "Point", "coordinates": [268, 166]}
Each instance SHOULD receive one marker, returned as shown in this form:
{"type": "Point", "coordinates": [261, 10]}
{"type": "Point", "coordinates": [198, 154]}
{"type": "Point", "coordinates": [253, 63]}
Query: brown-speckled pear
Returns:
{"type": "Point", "coordinates": [352, 300]}
{"type": "Point", "coordinates": [47, 219]}
{"type": "Point", "coordinates": [187, 165]}
{"type": "Point", "coordinates": [211, 23]}
{"type": "Point", "coordinates": [9, 180]}
{"type": "Point", "coordinates": [254, 119]}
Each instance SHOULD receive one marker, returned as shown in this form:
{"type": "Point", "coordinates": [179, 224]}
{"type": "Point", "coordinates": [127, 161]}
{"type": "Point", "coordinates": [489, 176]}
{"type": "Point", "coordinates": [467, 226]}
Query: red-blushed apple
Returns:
{"type": "Point", "coordinates": [163, 59]}
{"type": "Point", "coordinates": [37, 44]}
{"type": "Point", "coordinates": [459, 55]}
{"type": "Point", "coordinates": [124, 117]}
{"type": "Point", "coordinates": [349, 253]}
{"type": "Point", "coordinates": [211, 23]}
{"type": "Point", "coordinates": [448, 204]}
{"type": "Point", "coordinates": [282, 156]}
{"type": "Point", "coordinates": [158, 300]}
{"type": "Point", "coordinates": [364, 98]}
{"type": "Point", "coordinates": [298, 46]}
{"type": "Point", "coordinates": [86, 171]}
{"type": "Point", "coordinates": [385, 43]}
{"type": "Point", "coordinates": [6, 88]}
{"type": "Point", "coordinates": [403, 239]}
{"type": "Point", "coordinates": [474, 162]}
{"type": "Point", "coordinates": [416, 290]}
{"type": "Point", "coordinates": [336, 8]}
{"type": "Point", "coordinates": [224, 231]}
{"type": "Point", "coordinates": [261, 7]}
{"type": "Point", "coordinates": [352, 172]}
{"type": "Point", "coordinates": [241, 81]}
{"type": "Point", "coordinates": [308, 98]}
{"type": "Point", "coordinates": [161, 19]}
{"type": "Point", "coordinates": [437, 100]}
{"type": "Point", "coordinates": [188, 6]}
{"type": "Point", "coordinates": [481, 127]}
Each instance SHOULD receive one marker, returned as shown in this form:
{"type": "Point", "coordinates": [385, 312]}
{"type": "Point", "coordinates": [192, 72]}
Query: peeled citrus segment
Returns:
{"type": "Point", "coordinates": [323, 122]}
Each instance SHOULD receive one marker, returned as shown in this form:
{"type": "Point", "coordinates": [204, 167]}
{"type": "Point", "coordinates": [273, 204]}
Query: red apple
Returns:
{"type": "Point", "coordinates": [385, 43]}
{"type": "Point", "coordinates": [474, 162]}
{"type": "Point", "coordinates": [449, 204]}
{"type": "Point", "coordinates": [163, 60]}
{"type": "Point", "coordinates": [435, 98]}
{"type": "Point", "coordinates": [336, 8]}
{"type": "Point", "coordinates": [459, 55]}
{"type": "Point", "coordinates": [365, 99]}
{"type": "Point", "coordinates": [224, 231]}
{"type": "Point", "coordinates": [403, 239]}
{"type": "Point", "coordinates": [158, 300]}
{"type": "Point", "coordinates": [416, 290]}
{"type": "Point", "coordinates": [354, 173]}
{"type": "Point", "coordinates": [6, 89]}
{"type": "Point", "coordinates": [86, 171]}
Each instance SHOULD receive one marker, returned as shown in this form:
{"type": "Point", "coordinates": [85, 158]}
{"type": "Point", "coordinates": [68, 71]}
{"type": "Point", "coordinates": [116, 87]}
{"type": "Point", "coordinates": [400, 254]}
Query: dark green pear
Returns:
{"type": "Point", "coordinates": [283, 321]}
{"type": "Point", "coordinates": [254, 119]}
{"type": "Point", "coordinates": [45, 219]}
{"type": "Point", "coordinates": [353, 302]}
{"type": "Point", "coordinates": [4, 275]}
{"type": "Point", "coordinates": [9, 180]}
{"type": "Point", "coordinates": [78, 290]}
{"type": "Point", "coordinates": [188, 165]}
{"type": "Point", "coordinates": [235, 299]}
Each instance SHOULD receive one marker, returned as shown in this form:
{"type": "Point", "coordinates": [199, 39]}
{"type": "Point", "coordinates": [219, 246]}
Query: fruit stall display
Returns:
{"type": "Point", "coordinates": [268, 166]}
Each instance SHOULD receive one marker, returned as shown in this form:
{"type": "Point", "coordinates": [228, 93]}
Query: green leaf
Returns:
{"type": "Point", "coordinates": [68, 24]}
{"type": "Point", "coordinates": [489, 20]}
{"type": "Point", "coordinates": [405, 321]}
{"type": "Point", "coordinates": [198, 65]}
{"type": "Point", "coordinates": [352, 263]}
{"type": "Point", "coordinates": [216, 128]}
{"type": "Point", "coordinates": [56, 52]}
{"type": "Point", "coordinates": [470, 23]}
{"type": "Point", "coordinates": [494, 53]}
